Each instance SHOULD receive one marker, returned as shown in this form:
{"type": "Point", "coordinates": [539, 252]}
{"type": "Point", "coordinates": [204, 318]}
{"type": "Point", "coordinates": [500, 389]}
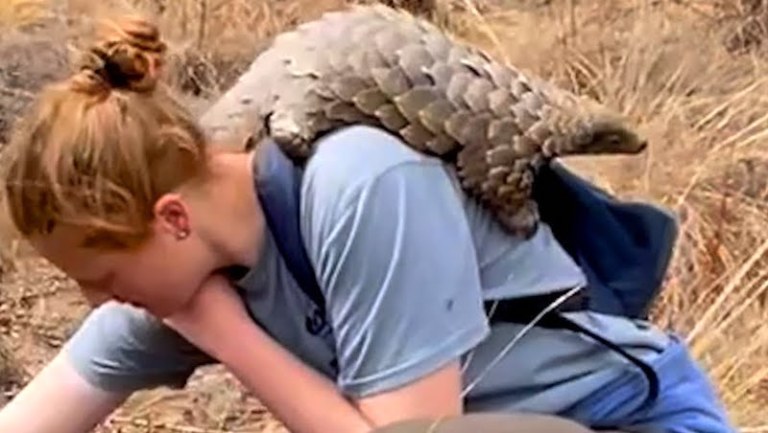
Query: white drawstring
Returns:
{"type": "Point", "coordinates": [559, 301]}
{"type": "Point", "coordinates": [472, 353]}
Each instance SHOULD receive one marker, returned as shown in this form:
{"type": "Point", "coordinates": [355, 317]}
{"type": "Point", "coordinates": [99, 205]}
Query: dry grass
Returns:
{"type": "Point", "coordinates": [671, 65]}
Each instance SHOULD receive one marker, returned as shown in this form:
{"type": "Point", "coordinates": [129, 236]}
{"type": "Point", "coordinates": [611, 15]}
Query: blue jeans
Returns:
{"type": "Point", "coordinates": [687, 402]}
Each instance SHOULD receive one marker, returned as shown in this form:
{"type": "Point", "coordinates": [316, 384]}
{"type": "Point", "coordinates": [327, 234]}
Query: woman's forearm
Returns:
{"type": "Point", "coordinates": [304, 400]}
{"type": "Point", "coordinates": [58, 400]}
{"type": "Point", "coordinates": [217, 322]}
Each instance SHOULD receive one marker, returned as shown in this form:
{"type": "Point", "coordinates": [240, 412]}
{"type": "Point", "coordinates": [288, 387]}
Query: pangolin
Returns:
{"type": "Point", "coordinates": [380, 66]}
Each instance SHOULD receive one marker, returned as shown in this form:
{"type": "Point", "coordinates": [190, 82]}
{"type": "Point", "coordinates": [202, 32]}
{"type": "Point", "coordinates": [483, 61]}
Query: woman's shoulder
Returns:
{"type": "Point", "coordinates": [362, 150]}
{"type": "Point", "coordinates": [356, 155]}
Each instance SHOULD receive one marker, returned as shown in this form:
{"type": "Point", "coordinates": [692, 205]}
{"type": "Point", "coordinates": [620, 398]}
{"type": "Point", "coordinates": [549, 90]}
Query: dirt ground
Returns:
{"type": "Point", "coordinates": [697, 87]}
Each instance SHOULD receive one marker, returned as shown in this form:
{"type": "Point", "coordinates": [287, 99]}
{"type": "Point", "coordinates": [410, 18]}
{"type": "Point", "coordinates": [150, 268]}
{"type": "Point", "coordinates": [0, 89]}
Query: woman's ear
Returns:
{"type": "Point", "coordinates": [171, 216]}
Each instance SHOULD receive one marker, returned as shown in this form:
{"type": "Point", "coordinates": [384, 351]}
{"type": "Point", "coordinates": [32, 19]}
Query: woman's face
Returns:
{"type": "Point", "coordinates": [162, 275]}
{"type": "Point", "coordinates": [187, 244]}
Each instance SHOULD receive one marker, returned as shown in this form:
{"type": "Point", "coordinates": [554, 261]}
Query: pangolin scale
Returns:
{"type": "Point", "coordinates": [384, 67]}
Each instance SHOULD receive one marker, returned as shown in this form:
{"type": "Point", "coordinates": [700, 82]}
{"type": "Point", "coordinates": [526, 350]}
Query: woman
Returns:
{"type": "Point", "coordinates": [114, 183]}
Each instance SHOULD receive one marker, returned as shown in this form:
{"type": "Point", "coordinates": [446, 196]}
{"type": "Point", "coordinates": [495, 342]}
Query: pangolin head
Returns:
{"type": "Point", "coordinates": [602, 130]}
{"type": "Point", "coordinates": [607, 136]}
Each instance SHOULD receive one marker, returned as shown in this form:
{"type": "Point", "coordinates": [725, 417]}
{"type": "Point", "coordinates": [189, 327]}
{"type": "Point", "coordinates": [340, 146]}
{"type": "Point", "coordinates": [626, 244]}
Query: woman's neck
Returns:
{"type": "Point", "coordinates": [230, 215]}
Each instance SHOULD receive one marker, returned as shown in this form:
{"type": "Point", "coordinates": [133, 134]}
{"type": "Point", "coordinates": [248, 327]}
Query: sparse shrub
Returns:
{"type": "Point", "coordinates": [11, 374]}
{"type": "Point", "coordinates": [22, 13]}
{"type": "Point", "coordinates": [419, 7]}
{"type": "Point", "coordinates": [29, 59]}
{"type": "Point", "coordinates": [749, 22]}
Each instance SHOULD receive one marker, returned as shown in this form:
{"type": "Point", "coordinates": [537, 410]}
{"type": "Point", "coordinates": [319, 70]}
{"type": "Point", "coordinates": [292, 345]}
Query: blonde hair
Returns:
{"type": "Point", "coordinates": [98, 149]}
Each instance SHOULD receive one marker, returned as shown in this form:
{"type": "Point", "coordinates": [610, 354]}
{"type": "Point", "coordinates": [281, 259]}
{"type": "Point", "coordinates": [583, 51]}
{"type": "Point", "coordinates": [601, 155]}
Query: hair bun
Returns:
{"type": "Point", "coordinates": [127, 56]}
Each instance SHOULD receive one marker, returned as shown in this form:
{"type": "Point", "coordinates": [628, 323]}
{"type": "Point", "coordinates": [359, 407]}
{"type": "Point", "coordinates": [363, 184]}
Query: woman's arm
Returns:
{"type": "Point", "coordinates": [58, 400]}
{"type": "Point", "coordinates": [305, 401]}
{"type": "Point", "coordinates": [300, 397]}
{"type": "Point", "coordinates": [436, 395]}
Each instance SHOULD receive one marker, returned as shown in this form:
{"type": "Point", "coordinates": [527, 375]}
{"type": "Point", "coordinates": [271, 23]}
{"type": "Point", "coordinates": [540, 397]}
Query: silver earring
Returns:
{"type": "Point", "coordinates": [183, 234]}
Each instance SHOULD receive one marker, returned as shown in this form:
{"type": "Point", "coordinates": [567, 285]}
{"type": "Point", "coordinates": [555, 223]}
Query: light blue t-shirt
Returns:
{"type": "Point", "coordinates": [405, 261]}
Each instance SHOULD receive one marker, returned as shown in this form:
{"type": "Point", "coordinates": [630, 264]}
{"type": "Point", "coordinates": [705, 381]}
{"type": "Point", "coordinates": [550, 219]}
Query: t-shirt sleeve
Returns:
{"type": "Point", "coordinates": [396, 261]}
{"type": "Point", "coordinates": [124, 349]}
